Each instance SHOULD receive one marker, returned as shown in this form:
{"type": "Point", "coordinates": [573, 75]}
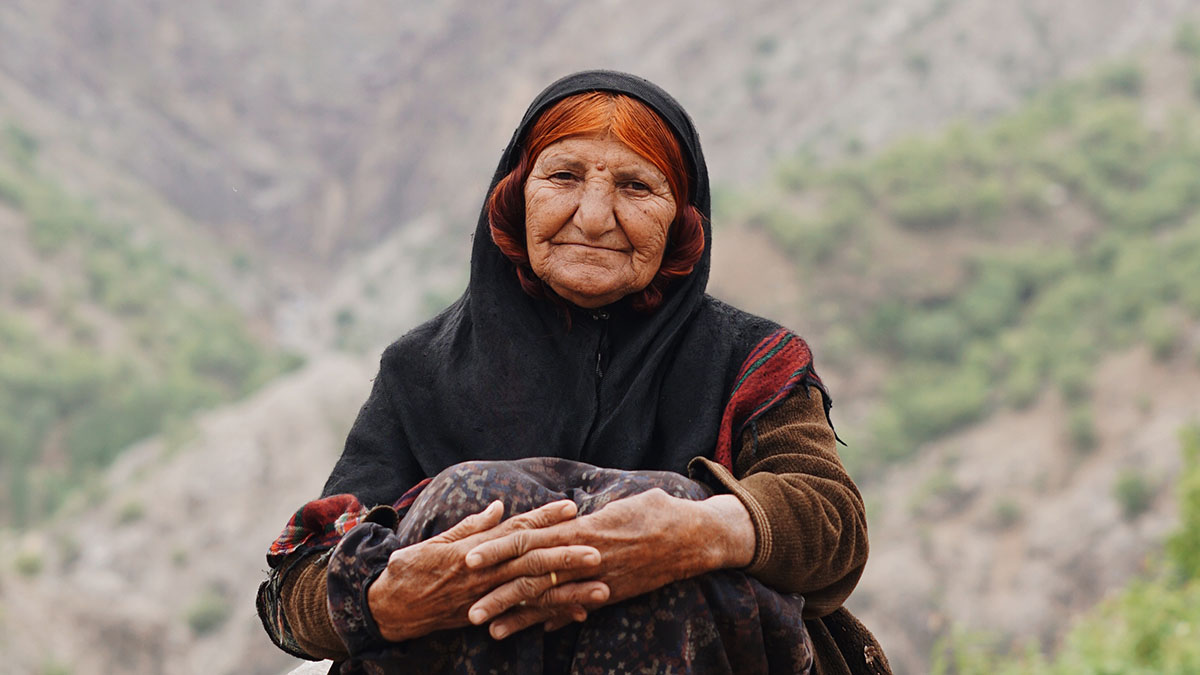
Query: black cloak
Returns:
{"type": "Point", "coordinates": [502, 375]}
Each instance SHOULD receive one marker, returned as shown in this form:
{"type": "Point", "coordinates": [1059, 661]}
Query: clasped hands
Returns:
{"type": "Point", "coordinates": [550, 567]}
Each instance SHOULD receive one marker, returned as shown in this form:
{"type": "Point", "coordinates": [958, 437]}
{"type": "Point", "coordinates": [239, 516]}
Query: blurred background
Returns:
{"type": "Point", "coordinates": [982, 215]}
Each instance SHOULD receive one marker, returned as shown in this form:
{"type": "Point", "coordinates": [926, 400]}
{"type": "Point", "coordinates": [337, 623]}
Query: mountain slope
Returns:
{"type": "Point", "coordinates": [321, 165]}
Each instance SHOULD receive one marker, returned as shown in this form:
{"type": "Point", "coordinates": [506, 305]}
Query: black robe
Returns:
{"type": "Point", "coordinates": [502, 375]}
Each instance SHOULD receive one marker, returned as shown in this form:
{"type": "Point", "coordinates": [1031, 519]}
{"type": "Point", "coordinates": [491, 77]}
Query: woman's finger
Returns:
{"type": "Point", "coordinates": [538, 591]}
{"type": "Point", "coordinates": [519, 619]}
{"type": "Point", "coordinates": [475, 523]}
{"type": "Point", "coordinates": [582, 594]}
{"type": "Point", "coordinates": [565, 617]}
{"type": "Point", "coordinates": [546, 560]}
{"type": "Point", "coordinates": [543, 516]}
{"type": "Point", "coordinates": [520, 534]}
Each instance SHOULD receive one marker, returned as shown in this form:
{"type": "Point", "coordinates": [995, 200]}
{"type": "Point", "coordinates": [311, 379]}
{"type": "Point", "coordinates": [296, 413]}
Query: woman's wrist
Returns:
{"type": "Point", "coordinates": [733, 539]}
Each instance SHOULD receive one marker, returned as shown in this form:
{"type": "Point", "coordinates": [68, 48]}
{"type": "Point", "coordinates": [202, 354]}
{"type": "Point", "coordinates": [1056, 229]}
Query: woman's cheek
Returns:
{"type": "Point", "coordinates": [546, 211]}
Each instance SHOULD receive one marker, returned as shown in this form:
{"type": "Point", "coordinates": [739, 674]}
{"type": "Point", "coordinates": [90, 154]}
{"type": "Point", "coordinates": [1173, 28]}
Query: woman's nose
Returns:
{"type": "Point", "coordinates": [595, 213]}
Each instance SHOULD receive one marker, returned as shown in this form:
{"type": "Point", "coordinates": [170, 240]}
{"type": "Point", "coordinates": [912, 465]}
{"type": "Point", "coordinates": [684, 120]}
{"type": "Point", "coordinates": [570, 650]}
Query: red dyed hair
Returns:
{"type": "Point", "coordinates": [635, 125]}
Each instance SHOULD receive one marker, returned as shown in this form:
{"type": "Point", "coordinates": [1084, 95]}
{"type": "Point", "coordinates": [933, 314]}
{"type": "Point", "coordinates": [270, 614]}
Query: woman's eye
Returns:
{"type": "Point", "coordinates": [637, 186]}
{"type": "Point", "coordinates": [562, 175]}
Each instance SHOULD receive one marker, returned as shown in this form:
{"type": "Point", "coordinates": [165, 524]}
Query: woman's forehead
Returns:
{"type": "Point", "coordinates": [594, 148]}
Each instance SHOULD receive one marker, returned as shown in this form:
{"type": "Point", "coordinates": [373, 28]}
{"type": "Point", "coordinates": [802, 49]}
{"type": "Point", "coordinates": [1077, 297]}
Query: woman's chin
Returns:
{"type": "Point", "coordinates": [589, 286]}
{"type": "Point", "coordinates": [590, 296]}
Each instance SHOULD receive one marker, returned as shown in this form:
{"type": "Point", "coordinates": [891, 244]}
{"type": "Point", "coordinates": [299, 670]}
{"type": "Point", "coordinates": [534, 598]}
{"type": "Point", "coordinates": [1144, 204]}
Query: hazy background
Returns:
{"type": "Point", "coordinates": [982, 215]}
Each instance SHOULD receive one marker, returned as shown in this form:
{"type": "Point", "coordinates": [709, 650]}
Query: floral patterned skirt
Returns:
{"type": "Point", "coordinates": [721, 622]}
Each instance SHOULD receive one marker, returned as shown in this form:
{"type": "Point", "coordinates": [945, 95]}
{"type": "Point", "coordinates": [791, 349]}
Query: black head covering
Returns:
{"type": "Point", "coordinates": [501, 375]}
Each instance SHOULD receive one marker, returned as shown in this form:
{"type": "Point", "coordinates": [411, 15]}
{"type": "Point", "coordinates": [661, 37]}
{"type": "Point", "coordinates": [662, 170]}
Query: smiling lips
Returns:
{"type": "Point", "coordinates": [593, 247]}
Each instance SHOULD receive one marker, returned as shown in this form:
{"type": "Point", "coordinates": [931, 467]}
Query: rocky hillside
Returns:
{"type": "Point", "coordinates": [1014, 311]}
{"type": "Point", "coordinates": [307, 173]}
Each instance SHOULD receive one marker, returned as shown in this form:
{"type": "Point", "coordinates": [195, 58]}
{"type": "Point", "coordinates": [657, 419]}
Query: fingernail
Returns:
{"type": "Point", "coordinates": [599, 595]}
{"type": "Point", "coordinates": [568, 508]}
{"type": "Point", "coordinates": [591, 559]}
{"type": "Point", "coordinates": [474, 560]}
{"type": "Point", "coordinates": [478, 616]}
{"type": "Point", "coordinates": [500, 632]}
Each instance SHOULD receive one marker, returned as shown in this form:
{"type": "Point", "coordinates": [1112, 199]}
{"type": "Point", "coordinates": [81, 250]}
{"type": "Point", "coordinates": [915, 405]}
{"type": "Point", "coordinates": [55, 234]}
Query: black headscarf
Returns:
{"type": "Point", "coordinates": [501, 375]}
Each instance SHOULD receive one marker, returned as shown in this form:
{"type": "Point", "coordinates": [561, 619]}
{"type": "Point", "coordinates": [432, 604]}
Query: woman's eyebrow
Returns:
{"type": "Point", "coordinates": [564, 161]}
{"type": "Point", "coordinates": [643, 173]}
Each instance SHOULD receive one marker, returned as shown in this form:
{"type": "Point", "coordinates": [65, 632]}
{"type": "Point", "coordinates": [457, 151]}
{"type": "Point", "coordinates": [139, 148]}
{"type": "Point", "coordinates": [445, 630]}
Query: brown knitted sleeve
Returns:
{"type": "Point", "coordinates": [307, 613]}
{"type": "Point", "coordinates": [807, 513]}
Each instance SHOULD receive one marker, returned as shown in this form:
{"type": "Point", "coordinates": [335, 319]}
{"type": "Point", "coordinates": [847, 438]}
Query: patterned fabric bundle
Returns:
{"type": "Point", "coordinates": [718, 623]}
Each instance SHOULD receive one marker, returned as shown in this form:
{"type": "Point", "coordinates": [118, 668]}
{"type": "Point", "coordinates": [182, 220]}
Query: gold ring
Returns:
{"type": "Point", "coordinates": [553, 579]}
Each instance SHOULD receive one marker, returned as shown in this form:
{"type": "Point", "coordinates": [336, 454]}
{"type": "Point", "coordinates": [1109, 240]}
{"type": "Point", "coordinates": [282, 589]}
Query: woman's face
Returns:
{"type": "Point", "coordinates": [596, 219]}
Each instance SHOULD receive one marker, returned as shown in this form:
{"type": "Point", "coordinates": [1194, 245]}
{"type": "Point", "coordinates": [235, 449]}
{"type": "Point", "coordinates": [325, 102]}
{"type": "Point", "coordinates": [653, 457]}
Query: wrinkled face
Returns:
{"type": "Point", "coordinates": [596, 219]}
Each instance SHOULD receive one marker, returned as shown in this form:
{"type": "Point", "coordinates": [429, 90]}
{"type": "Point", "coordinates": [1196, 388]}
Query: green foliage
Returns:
{"type": "Point", "coordinates": [938, 491]}
{"type": "Point", "coordinates": [208, 611]}
{"type": "Point", "coordinates": [1023, 320]}
{"type": "Point", "coordinates": [1183, 548]}
{"type": "Point", "coordinates": [1007, 513]}
{"type": "Point", "coordinates": [1134, 492]}
{"type": "Point", "coordinates": [1081, 428]}
{"type": "Point", "coordinates": [1150, 628]}
{"type": "Point", "coordinates": [1122, 78]}
{"type": "Point", "coordinates": [1162, 332]}
{"type": "Point", "coordinates": [53, 666]}
{"type": "Point", "coordinates": [29, 563]}
{"type": "Point", "coordinates": [171, 346]}
{"type": "Point", "coordinates": [19, 145]}
{"type": "Point", "coordinates": [1187, 39]}
{"type": "Point", "coordinates": [131, 512]}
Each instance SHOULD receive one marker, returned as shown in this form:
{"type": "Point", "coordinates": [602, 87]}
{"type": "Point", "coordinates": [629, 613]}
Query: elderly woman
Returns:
{"type": "Point", "coordinates": [586, 464]}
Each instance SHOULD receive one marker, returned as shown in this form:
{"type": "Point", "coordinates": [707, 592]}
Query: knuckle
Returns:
{"type": "Point", "coordinates": [534, 562]}
{"type": "Point", "coordinates": [558, 595]}
{"type": "Point", "coordinates": [527, 586]}
{"type": "Point", "coordinates": [517, 523]}
{"type": "Point", "coordinates": [520, 542]}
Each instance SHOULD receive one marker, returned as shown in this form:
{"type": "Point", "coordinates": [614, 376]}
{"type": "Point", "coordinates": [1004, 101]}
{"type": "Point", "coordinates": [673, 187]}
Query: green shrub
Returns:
{"type": "Point", "coordinates": [1162, 332]}
{"type": "Point", "coordinates": [29, 563]}
{"type": "Point", "coordinates": [131, 512]}
{"type": "Point", "coordinates": [934, 335]}
{"type": "Point", "coordinates": [28, 291]}
{"type": "Point", "coordinates": [1022, 384]}
{"type": "Point", "coordinates": [1006, 512]}
{"type": "Point", "coordinates": [207, 612]}
{"type": "Point", "coordinates": [1134, 492]}
{"type": "Point", "coordinates": [1183, 548]}
{"type": "Point", "coordinates": [1123, 78]}
{"type": "Point", "coordinates": [53, 666]}
{"type": "Point", "coordinates": [935, 400]}
{"type": "Point", "coordinates": [20, 145]}
{"type": "Point", "coordinates": [938, 492]}
{"type": "Point", "coordinates": [992, 301]}
{"type": "Point", "coordinates": [931, 207]}
{"type": "Point", "coordinates": [1081, 428]}
{"type": "Point", "coordinates": [1074, 379]}
{"type": "Point", "coordinates": [1187, 39]}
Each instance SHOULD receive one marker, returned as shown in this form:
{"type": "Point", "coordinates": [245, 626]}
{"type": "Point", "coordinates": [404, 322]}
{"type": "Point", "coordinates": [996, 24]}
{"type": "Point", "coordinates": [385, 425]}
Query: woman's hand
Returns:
{"type": "Point", "coordinates": [427, 586]}
{"type": "Point", "coordinates": [645, 542]}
